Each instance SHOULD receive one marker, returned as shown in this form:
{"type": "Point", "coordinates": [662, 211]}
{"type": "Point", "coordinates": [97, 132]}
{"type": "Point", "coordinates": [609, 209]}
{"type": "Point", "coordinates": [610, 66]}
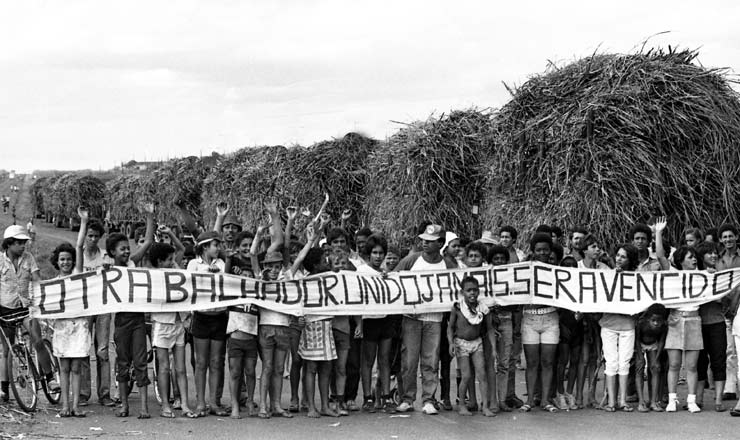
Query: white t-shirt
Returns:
{"type": "Point", "coordinates": [421, 265]}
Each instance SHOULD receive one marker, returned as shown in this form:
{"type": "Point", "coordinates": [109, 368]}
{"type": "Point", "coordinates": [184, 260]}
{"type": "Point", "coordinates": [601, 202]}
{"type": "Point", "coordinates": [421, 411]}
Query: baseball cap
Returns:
{"type": "Point", "coordinates": [207, 237]}
{"type": "Point", "coordinates": [232, 220]}
{"type": "Point", "coordinates": [433, 233]}
{"type": "Point", "coordinates": [16, 231]}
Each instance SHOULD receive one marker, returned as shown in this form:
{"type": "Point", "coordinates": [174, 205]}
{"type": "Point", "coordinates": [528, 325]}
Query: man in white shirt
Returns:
{"type": "Point", "coordinates": [422, 332]}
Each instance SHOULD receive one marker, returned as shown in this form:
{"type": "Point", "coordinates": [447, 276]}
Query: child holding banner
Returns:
{"type": "Point", "coordinates": [540, 335]}
{"type": "Point", "coordinates": [71, 339]}
{"type": "Point", "coordinates": [684, 339]}
{"type": "Point", "coordinates": [168, 333]}
{"type": "Point", "coordinates": [209, 330]}
{"type": "Point", "coordinates": [130, 332]}
{"type": "Point", "coordinates": [274, 327]}
{"type": "Point", "coordinates": [618, 339]}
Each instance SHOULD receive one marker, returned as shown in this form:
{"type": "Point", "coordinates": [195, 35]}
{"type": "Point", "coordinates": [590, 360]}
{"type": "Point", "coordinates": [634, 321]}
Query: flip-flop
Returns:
{"type": "Point", "coordinates": [189, 415]}
{"type": "Point", "coordinates": [550, 408]}
{"type": "Point", "coordinates": [220, 411]}
{"type": "Point", "coordinates": [735, 412]}
{"type": "Point", "coordinates": [608, 408]}
{"type": "Point", "coordinates": [627, 408]}
{"type": "Point", "coordinates": [525, 408]}
{"type": "Point", "coordinates": [166, 414]}
{"type": "Point", "coordinates": [642, 408]}
{"type": "Point", "coordinates": [293, 408]}
{"type": "Point", "coordinates": [263, 415]}
{"type": "Point", "coordinates": [283, 413]}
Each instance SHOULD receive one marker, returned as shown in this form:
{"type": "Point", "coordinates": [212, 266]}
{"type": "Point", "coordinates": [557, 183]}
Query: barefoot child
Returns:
{"type": "Point", "coordinates": [317, 347]}
{"type": "Point", "coordinates": [130, 332]}
{"type": "Point", "coordinates": [71, 339]}
{"type": "Point", "coordinates": [650, 337]}
{"type": "Point", "coordinates": [469, 322]}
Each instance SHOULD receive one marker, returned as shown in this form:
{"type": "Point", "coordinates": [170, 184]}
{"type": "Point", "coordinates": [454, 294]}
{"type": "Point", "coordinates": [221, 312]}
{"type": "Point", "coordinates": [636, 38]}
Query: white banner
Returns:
{"type": "Point", "coordinates": [347, 293]}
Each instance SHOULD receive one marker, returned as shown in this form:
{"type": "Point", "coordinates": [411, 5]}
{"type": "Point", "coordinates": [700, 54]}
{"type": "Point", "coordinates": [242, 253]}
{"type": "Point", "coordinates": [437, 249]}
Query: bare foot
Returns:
{"type": "Point", "coordinates": [123, 412]}
{"type": "Point", "coordinates": [463, 410]}
{"type": "Point", "coordinates": [329, 412]}
{"type": "Point", "coordinates": [235, 414]}
{"type": "Point", "coordinates": [312, 413]}
{"type": "Point", "coordinates": [251, 410]}
{"type": "Point", "coordinates": [144, 415]}
{"type": "Point", "coordinates": [487, 412]}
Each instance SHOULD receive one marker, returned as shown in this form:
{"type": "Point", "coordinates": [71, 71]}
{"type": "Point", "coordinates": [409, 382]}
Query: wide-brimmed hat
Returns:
{"type": "Point", "coordinates": [273, 257]}
{"type": "Point", "coordinates": [207, 237]}
{"type": "Point", "coordinates": [16, 231]}
{"type": "Point", "coordinates": [488, 238]}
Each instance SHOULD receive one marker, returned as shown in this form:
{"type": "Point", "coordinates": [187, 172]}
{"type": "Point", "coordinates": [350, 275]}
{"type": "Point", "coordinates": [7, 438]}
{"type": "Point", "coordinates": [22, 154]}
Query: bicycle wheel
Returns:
{"type": "Point", "coordinates": [52, 395]}
{"type": "Point", "coordinates": [22, 376]}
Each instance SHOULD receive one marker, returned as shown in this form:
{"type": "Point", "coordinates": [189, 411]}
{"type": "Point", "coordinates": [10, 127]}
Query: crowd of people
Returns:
{"type": "Point", "coordinates": [563, 350]}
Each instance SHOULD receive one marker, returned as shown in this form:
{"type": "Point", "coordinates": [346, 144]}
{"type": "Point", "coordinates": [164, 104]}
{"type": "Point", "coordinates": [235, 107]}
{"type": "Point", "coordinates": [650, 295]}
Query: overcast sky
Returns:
{"type": "Point", "coordinates": [89, 84]}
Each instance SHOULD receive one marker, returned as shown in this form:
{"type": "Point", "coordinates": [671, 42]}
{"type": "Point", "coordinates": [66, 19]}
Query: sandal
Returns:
{"type": "Point", "coordinates": [656, 407]}
{"type": "Point", "coordinates": [626, 408]}
{"type": "Point", "coordinates": [642, 408]}
{"type": "Point", "coordinates": [122, 413]}
{"type": "Point", "coordinates": [550, 408]}
{"type": "Point", "coordinates": [189, 415]}
{"type": "Point", "coordinates": [220, 411]}
{"type": "Point", "coordinates": [525, 408]}
{"type": "Point", "coordinates": [166, 414]}
{"type": "Point", "coordinates": [283, 413]}
{"type": "Point", "coordinates": [201, 412]}
{"type": "Point", "coordinates": [719, 408]}
{"type": "Point", "coordinates": [293, 408]}
{"type": "Point", "coordinates": [263, 415]}
{"type": "Point", "coordinates": [608, 408]}
{"type": "Point", "coordinates": [735, 412]}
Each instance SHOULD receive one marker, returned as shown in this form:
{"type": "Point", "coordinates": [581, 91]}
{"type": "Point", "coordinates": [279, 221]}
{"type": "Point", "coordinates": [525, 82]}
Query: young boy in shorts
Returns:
{"type": "Point", "coordinates": [469, 323]}
{"type": "Point", "coordinates": [650, 335]}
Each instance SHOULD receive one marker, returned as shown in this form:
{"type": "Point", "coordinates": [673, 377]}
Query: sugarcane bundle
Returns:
{"type": "Point", "coordinates": [87, 191]}
{"type": "Point", "coordinates": [429, 171]}
{"type": "Point", "coordinates": [611, 139]}
{"type": "Point", "coordinates": [177, 184]}
{"type": "Point", "coordinates": [336, 167]}
{"type": "Point", "coordinates": [125, 193]}
{"type": "Point", "coordinates": [245, 180]}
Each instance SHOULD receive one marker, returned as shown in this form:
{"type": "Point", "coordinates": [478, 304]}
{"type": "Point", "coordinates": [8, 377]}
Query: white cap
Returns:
{"type": "Point", "coordinates": [16, 231]}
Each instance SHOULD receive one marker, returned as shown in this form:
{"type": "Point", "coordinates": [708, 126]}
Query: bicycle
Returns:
{"type": "Point", "coordinates": [23, 372]}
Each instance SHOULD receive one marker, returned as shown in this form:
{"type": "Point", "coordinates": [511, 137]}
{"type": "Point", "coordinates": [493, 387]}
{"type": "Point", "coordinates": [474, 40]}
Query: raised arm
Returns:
{"type": "Point", "coordinates": [276, 230]}
{"type": "Point", "coordinates": [176, 243]}
{"type": "Point", "coordinates": [148, 209]}
{"type": "Point", "coordinates": [659, 227]}
{"type": "Point", "coordinates": [311, 239]}
{"type": "Point", "coordinates": [346, 215]}
{"type": "Point", "coordinates": [222, 208]}
{"type": "Point", "coordinates": [255, 249]}
{"type": "Point", "coordinates": [291, 212]}
{"type": "Point", "coordinates": [84, 217]}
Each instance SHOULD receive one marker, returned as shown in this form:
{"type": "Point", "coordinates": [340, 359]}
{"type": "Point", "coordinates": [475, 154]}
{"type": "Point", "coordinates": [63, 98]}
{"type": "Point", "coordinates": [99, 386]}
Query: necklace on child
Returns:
{"type": "Point", "coordinates": [474, 316]}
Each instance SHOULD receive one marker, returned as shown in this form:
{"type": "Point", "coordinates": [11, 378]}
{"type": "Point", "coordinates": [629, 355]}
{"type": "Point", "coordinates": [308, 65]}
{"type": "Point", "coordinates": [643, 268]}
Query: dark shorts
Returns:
{"type": "Point", "coordinates": [377, 329]}
{"type": "Point", "coordinates": [243, 348]}
{"type": "Point", "coordinates": [341, 340]}
{"type": "Point", "coordinates": [210, 326]}
{"type": "Point", "coordinates": [274, 336]}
